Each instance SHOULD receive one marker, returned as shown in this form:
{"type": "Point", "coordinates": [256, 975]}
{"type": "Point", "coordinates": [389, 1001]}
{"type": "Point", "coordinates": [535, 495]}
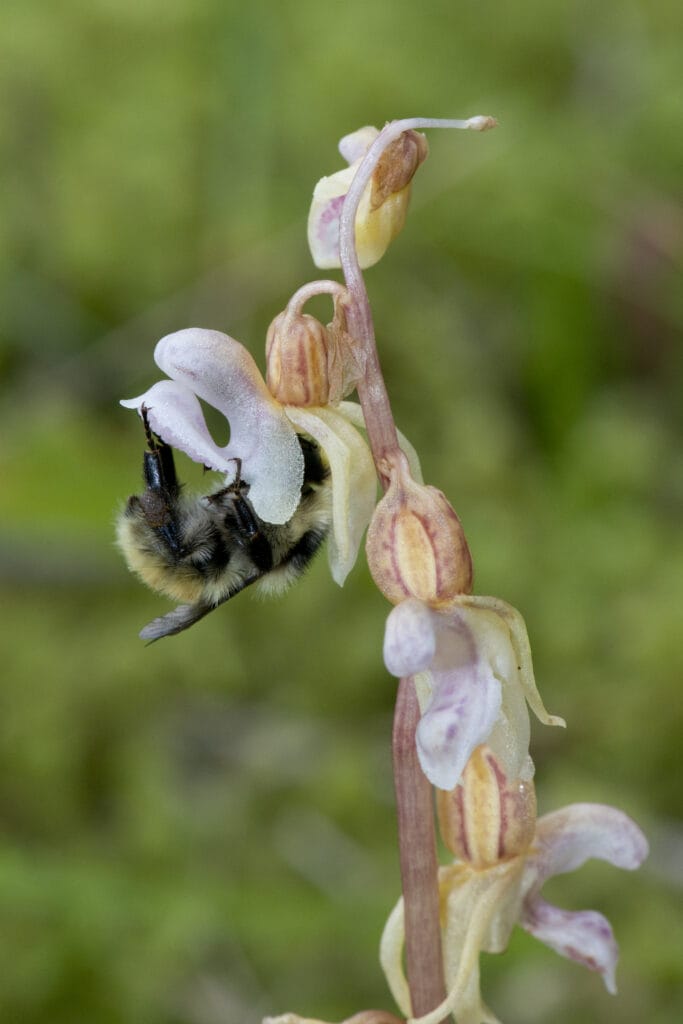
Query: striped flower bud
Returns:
{"type": "Point", "coordinates": [416, 546]}
{"type": "Point", "coordinates": [397, 166]}
{"type": "Point", "coordinates": [297, 358]}
{"type": "Point", "coordinates": [489, 818]}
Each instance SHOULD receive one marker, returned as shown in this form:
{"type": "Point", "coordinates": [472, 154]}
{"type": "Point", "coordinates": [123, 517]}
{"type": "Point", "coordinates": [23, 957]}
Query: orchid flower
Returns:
{"type": "Point", "coordinates": [503, 857]}
{"type": "Point", "coordinates": [474, 679]}
{"type": "Point", "coordinates": [209, 365]}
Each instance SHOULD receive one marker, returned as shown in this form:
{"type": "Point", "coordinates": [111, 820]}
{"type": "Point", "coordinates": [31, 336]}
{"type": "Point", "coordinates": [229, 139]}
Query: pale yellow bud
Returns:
{"type": "Point", "coordinates": [416, 546]}
{"type": "Point", "coordinates": [297, 356]}
{"type": "Point", "coordinates": [489, 818]}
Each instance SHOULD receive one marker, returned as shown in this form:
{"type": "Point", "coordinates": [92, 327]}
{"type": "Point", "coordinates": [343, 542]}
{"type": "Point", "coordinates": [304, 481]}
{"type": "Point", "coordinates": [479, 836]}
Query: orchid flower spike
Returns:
{"type": "Point", "coordinates": [503, 856]}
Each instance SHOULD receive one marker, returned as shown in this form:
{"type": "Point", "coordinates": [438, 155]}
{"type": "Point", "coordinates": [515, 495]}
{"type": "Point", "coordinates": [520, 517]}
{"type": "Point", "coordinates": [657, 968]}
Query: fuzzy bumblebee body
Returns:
{"type": "Point", "coordinates": [204, 550]}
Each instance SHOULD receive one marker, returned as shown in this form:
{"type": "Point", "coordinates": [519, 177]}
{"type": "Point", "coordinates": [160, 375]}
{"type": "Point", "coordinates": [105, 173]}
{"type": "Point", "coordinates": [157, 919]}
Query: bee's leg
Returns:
{"type": "Point", "coordinates": [158, 503]}
{"type": "Point", "coordinates": [185, 615]}
{"type": "Point", "coordinates": [158, 467]}
{"type": "Point", "coordinates": [249, 529]}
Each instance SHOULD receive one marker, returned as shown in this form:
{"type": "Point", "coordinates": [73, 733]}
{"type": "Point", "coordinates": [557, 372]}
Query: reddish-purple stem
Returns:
{"type": "Point", "coordinates": [417, 852]}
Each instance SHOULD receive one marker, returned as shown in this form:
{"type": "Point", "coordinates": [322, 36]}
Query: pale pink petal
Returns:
{"type": "Point", "coordinates": [583, 935]}
{"type": "Point", "coordinates": [567, 838]}
{"type": "Point", "coordinates": [325, 214]}
{"type": "Point", "coordinates": [465, 703]}
{"type": "Point", "coordinates": [176, 416]}
{"type": "Point", "coordinates": [221, 371]}
{"type": "Point", "coordinates": [354, 146]}
{"type": "Point", "coordinates": [409, 638]}
{"type": "Point", "coordinates": [564, 841]}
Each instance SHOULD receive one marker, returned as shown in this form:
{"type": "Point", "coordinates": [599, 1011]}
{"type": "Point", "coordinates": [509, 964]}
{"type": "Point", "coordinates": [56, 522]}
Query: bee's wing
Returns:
{"type": "Point", "coordinates": [185, 615]}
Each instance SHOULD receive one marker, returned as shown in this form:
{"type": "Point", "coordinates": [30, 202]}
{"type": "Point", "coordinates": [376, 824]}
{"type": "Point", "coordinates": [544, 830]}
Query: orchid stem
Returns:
{"type": "Point", "coordinates": [417, 853]}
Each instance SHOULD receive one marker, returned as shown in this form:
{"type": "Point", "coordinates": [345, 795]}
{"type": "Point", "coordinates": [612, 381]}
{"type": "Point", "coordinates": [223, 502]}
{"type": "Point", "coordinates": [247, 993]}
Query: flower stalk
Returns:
{"type": "Point", "coordinates": [417, 854]}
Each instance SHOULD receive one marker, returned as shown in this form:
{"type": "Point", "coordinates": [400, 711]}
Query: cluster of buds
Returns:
{"type": "Point", "coordinates": [466, 657]}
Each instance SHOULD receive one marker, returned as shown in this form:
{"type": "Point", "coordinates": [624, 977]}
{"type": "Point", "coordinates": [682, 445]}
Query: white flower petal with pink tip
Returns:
{"type": "Point", "coordinates": [564, 841]}
{"type": "Point", "coordinates": [409, 639]}
{"type": "Point", "coordinates": [567, 838]}
{"type": "Point", "coordinates": [219, 370]}
{"type": "Point", "coordinates": [174, 413]}
{"type": "Point", "coordinates": [584, 936]}
{"type": "Point", "coordinates": [465, 703]}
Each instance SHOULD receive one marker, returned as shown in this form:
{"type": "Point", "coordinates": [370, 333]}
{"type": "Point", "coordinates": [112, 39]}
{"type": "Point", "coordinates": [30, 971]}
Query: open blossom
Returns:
{"type": "Point", "coordinates": [209, 365]}
{"type": "Point", "coordinates": [503, 858]}
{"type": "Point", "coordinates": [474, 678]}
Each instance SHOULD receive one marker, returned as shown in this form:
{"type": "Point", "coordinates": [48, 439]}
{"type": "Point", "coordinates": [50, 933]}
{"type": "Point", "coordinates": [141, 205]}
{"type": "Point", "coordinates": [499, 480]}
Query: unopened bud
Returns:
{"type": "Point", "coordinates": [297, 356]}
{"type": "Point", "coordinates": [397, 166]}
{"type": "Point", "coordinates": [489, 818]}
{"type": "Point", "coordinates": [416, 545]}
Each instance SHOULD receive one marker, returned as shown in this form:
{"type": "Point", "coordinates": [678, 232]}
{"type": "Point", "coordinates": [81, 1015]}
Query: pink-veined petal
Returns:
{"type": "Point", "coordinates": [465, 703]}
{"type": "Point", "coordinates": [567, 838]}
{"type": "Point", "coordinates": [409, 638]}
{"type": "Point", "coordinates": [582, 935]}
{"type": "Point", "coordinates": [328, 199]}
{"type": "Point", "coordinates": [221, 371]}
{"type": "Point", "coordinates": [325, 214]}
{"type": "Point", "coordinates": [175, 414]}
{"type": "Point", "coordinates": [354, 481]}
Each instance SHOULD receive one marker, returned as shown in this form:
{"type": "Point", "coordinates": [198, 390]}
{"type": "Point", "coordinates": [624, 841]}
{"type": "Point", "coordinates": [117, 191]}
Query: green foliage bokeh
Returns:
{"type": "Point", "coordinates": [202, 831]}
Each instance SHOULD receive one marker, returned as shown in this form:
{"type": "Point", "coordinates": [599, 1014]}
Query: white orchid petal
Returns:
{"type": "Point", "coordinates": [409, 638]}
{"type": "Point", "coordinates": [583, 935]}
{"type": "Point", "coordinates": [567, 838]}
{"type": "Point", "coordinates": [374, 229]}
{"type": "Point", "coordinates": [354, 146]}
{"type": "Point", "coordinates": [509, 739]}
{"type": "Point", "coordinates": [221, 371]}
{"type": "Point", "coordinates": [175, 414]}
{"type": "Point", "coordinates": [484, 892]}
{"type": "Point", "coordinates": [354, 414]}
{"type": "Point", "coordinates": [465, 704]}
{"type": "Point", "coordinates": [391, 958]}
{"type": "Point", "coordinates": [520, 642]}
{"type": "Point", "coordinates": [354, 483]}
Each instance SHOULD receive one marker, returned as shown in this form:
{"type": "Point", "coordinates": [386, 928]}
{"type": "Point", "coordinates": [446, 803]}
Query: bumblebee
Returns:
{"type": "Point", "coordinates": [205, 550]}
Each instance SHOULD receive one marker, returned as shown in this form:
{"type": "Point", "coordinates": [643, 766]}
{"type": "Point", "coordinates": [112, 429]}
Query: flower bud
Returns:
{"type": "Point", "coordinates": [487, 819]}
{"type": "Point", "coordinates": [397, 166]}
{"type": "Point", "coordinates": [382, 208]}
{"type": "Point", "coordinates": [297, 355]}
{"type": "Point", "coordinates": [416, 546]}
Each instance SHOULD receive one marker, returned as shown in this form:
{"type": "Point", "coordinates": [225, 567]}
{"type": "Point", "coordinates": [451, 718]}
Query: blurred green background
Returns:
{"type": "Point", "coordinates": [202, 831]}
